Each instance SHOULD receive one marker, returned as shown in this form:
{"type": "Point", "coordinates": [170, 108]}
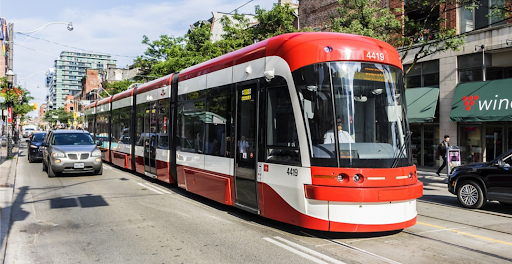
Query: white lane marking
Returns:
{"type": "Point", "coordinates": [158, 188]}
{"type": "Point", "coordinates": [366, 252]}
{"type": "Point", "coordinates": [150, 188]}
{"type": "Point", "coordinates": [300, 253]}
{"type": "Point", "coordinates": [309, 251]}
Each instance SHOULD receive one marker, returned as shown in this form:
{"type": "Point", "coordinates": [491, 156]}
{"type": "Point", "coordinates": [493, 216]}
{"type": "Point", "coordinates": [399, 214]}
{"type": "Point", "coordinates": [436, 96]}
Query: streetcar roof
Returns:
{"type": "Point", "coordinates": [311, 47]}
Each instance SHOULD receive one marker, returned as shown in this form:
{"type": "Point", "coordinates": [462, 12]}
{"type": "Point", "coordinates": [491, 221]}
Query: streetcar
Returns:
{"type": "Point", "coordinates": [308, 129]}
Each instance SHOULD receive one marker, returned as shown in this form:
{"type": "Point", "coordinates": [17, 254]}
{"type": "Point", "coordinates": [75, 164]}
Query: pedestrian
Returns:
{"type": "Point", "coordinates": [441, 150]}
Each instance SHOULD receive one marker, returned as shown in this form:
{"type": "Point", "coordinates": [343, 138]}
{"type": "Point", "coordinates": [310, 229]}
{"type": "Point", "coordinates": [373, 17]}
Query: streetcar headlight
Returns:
{"type": "Point", "coordinates": [96, 153]}
{"type": "Point", "coordinates": [358, 178]}
{"type": "Point", "coordinates": [340, 177]}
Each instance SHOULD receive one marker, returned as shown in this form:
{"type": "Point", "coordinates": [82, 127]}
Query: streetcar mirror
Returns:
{"type": "Point", "coordinates": [394, 113]}
{"type": "Point", "coordinates": [308, 109]}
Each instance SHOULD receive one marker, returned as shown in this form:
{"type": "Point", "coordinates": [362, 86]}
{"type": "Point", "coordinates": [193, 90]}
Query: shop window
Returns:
{"type": "Point", "coordinates": [481, 16]}
{"type": "Point", "coordinates": [423, 74]}
{"type": "Point", "coordinates": [470, 66]}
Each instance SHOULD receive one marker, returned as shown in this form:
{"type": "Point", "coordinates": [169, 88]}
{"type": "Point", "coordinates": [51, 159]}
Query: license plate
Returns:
{"type": "Point", "coordinates": [79, 165]}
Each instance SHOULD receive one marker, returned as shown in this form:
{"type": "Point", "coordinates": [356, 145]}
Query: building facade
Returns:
{"type": "Point", "coordinates": [466, 94]}
{"type": "Point", "coordinates": [42, 111]}
{"type": "Point", "coordinates": [68, 72]}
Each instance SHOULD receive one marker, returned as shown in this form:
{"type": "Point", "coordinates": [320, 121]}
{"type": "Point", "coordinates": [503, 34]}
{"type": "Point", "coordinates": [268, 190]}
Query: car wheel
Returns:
{"type": "Point", "coordinates": [29, 159]}
{"type": "Point", "coordinates": [51, 174]}
{"type": "Point", "coordinates": [470, 195]}
{"type": "Point", "coordinates": [99, 172]}
{"type": "Point", "coordinates": [45, 168]}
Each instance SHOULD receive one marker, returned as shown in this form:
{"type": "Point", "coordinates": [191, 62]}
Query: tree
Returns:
{"type": "Point", "coordinates": [116, 87]}
{"type": "Point", "coordinates": [172, 54]}
{"type": "Point", "coordinates": [19, 98]}
{"type": "Point", "coordinates": [421, 27]}
{"type": "Point", "coordinates": [61, 116]}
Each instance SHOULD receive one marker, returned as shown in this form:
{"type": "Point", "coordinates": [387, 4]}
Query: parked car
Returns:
{"type": "Point", "coordinates": [35, 152]}
{"type": "Point", "coordinates": [71, 151]}
{"type": "Point", "coordinates": [475, 184]}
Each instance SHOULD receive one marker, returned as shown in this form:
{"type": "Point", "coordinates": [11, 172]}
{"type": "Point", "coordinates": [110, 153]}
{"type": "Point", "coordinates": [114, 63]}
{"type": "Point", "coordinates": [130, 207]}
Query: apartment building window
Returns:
{"type": "Point", "coordinates": [423, 74]}
{"type": "Point", "coordinates": [481, 16]}
{"type": "Point", "coordinates": [470, 67]}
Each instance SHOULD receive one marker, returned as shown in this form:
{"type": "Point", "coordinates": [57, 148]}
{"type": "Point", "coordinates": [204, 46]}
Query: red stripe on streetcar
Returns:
{"type": "Point", "coordinates": [363, 195]}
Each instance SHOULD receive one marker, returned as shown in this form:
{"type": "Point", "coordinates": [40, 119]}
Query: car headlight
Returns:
{"type": "Point", "coordinates": [33, 146]}
{"type": "Point", "coordinates": [96, 153]}
{"type": "Point", "coordinates": [58, 155]}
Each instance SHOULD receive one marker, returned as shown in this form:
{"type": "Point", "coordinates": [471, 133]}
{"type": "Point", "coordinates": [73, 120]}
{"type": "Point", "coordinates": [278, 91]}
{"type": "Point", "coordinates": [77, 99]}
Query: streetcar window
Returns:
{"type": "Point", "coordinates": [191, 125]}
{"type": "Point", "coordinates": [354, 114]}
{"type": "Point", "coordinates": [218, 122]}
{"type": "Point", "coordinates": [163, 124]}
{"type": "Point", "coordinates": [282, 139]}
{"type": "Point", "coordinates": [139, 129]}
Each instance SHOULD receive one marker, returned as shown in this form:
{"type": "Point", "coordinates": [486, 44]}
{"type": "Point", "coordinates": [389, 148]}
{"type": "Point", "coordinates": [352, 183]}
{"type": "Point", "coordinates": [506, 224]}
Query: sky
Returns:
{"type": "Point", "coordinates": [112, 27]}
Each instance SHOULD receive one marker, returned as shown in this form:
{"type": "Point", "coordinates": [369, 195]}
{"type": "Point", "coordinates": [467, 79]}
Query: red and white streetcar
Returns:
{"type": "Point", "coordinates": [304, 128]}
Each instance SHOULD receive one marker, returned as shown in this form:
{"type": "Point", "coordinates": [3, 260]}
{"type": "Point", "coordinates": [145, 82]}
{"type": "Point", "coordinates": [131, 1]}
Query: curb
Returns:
{"type": "Point", "coordinates": [6, 199]}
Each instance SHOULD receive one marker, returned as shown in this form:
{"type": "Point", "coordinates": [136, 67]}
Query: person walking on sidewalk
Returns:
{"type": "Point", "coordinates": [441, 151]}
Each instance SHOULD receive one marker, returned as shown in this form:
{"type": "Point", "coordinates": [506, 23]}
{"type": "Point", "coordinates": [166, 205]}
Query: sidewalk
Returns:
{"type": "Point", "coordinates": [7, 175]}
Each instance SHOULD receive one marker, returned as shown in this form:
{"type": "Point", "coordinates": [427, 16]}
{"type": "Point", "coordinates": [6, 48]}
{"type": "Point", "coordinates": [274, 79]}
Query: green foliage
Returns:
{"type": "Point", "coordinates": [116, 87]}
{"type": "Point", "coordinates": [172, 54]}
{"type": "Point", "coordinates": [62, 116]}
{"type": "Point", "coordinates": [20, 107]}
{"type": "Point", "coordinates": [423, 29]}
{"type": "Point", "coordinates": [277, 21]}
{"type": "Point", "coordinates": [365, 17]}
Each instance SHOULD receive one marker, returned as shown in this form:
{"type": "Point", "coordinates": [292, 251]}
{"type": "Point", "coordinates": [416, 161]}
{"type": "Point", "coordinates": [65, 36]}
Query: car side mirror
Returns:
{"type": "Point", "coordinates": [500, 163]}
{"type": "Point", "coordinates": [44, 144]}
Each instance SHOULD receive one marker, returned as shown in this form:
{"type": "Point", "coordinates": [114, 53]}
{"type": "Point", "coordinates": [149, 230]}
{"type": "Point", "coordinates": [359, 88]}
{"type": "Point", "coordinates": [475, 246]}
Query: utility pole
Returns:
{"type": "Point", "coordinates": [10, 117]}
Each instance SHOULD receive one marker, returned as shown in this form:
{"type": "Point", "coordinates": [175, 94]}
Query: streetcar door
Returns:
{"type": "Point", "coordinates": [246, 138]}
{"type": "Point", "coordinates": [150, 139]}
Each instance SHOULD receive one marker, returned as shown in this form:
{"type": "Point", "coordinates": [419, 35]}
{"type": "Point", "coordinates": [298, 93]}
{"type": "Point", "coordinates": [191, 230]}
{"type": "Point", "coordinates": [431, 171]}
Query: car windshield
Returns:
{"type": "Point", "coordinates": [72, 139]}
{"type": "Point", "coordinates": [38, 137]}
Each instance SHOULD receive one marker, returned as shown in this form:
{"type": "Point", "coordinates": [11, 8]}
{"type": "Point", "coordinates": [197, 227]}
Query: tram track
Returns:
{"type": "Point", "coordinates": [466, 224]}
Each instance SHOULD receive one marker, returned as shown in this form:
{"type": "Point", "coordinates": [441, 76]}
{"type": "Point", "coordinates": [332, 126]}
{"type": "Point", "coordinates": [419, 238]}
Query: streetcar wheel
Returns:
{"type": "Point", "coordinates": [470, 195]}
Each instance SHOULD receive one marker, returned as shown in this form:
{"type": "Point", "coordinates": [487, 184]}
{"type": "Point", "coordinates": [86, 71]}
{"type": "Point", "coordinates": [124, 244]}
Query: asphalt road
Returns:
{"type": "Point", "coordinates": [121, 217]}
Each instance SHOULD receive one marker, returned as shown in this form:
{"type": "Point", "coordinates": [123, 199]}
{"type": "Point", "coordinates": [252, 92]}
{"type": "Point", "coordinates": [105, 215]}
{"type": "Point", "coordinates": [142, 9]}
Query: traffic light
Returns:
{"type": "Point", "coordinates": [34, 106]}
{"type": "Point", "coordinates": [75, 114]}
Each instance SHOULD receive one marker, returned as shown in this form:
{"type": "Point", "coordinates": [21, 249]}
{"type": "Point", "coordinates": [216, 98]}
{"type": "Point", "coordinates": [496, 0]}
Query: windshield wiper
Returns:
{"type": "Point", "coordinates": [406, 141]}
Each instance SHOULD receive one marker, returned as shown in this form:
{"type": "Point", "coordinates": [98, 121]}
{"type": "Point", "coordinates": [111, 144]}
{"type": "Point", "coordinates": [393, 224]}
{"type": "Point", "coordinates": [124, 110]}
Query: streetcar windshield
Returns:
{"type": "Point", "coordinates": [354, 114]}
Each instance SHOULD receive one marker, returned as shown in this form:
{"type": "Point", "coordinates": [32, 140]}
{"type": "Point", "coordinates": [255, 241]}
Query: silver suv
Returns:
{"type": "Point", "coordinates": [70, 151]}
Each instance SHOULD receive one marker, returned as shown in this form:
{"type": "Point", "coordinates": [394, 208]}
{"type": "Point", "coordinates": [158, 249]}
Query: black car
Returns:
{"type": "Point", "coordinates": [475, 184]}
{"type": "Point", "coordinates": [35, 152]}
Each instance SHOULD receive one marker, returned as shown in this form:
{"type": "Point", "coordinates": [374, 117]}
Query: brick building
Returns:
{"type": "Point", "coordinates": [90, 83]}
{"type": "Point", "coordinates": [42, 111]}
{"type": "Point", "coordinates": [465, 94]}
{"type": "Point", "coordinates": [69, 103]}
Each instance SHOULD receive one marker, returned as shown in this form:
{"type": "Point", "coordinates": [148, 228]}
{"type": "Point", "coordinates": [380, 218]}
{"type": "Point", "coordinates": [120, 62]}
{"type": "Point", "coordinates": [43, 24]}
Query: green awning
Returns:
{"type": "Point", "coordinates": [421, 104]}
{"type": "Point", "coordinates": [482, 101]}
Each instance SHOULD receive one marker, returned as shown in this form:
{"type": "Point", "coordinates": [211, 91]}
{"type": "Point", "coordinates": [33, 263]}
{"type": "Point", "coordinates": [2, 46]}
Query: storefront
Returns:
{"type": "Point", "coordinates": [483, 111]}
{"type": "Point", "coordinates": [422, 115]}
